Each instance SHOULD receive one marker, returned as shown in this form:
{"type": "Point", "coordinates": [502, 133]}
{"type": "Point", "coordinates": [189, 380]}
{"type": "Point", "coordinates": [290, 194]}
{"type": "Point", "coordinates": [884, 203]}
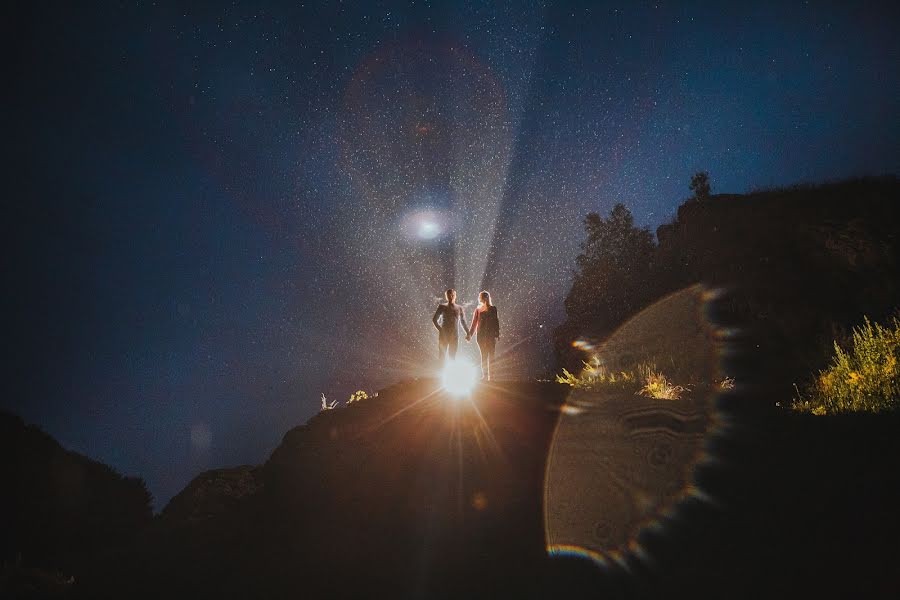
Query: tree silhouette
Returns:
{"type": "Point", "coordinates": [700, 185]}
{"type": "Point", "coordinates": [611, 282]}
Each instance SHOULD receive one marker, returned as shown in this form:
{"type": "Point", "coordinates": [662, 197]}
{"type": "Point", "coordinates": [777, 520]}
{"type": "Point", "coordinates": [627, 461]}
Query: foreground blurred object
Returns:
{"type": "Point", "coordinates": [623, 455]}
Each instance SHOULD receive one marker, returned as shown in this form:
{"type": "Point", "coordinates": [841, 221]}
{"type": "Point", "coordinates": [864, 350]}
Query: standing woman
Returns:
{"type": "Point", "coordinates": [487, 325]}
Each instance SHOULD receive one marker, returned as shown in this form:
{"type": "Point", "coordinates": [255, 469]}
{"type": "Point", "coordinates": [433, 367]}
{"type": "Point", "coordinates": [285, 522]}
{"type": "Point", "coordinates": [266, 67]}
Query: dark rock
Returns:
{"type": "Point", "coordinates": [212, 494]}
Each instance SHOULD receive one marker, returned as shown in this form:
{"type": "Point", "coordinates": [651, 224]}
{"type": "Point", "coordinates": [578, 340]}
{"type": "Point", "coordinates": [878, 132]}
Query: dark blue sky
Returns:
{"type": "Point", "coordinates": [210, 206]}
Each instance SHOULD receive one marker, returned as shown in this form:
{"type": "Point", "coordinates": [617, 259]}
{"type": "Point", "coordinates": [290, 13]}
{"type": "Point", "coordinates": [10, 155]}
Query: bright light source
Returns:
{"type": "Point", "coordinates": [429, 230]}
{"type": "Point", "coordinates": [425, 225]}
{"type": "Point", "coordinates": [459, 377]}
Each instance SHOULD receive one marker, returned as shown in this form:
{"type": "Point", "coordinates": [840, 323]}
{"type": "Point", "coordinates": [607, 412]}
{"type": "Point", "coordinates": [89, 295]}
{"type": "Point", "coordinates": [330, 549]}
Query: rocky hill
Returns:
{"type": "Point", "coordinates": [412, 491]}
{"type": "Point", "coordinates": [61, 509]}
{"type": "Point", "coordinates": [801, 266]}
{"type": "Point", "coordinates": [414, 494]}
{"type": "Point", "coordinates": [417, 494]}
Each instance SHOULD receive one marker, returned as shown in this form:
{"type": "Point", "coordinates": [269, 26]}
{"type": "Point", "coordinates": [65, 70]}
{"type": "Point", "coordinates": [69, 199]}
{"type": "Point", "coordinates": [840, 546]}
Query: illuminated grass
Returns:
{"type": "Point", "coordinates": [864, 378]}
{"type": "Point", "coordinates": [594, 377]}
{"type": "Point", "coordinates": [658, 386]}
{"type": "Point", "coordinates": [644, 380]}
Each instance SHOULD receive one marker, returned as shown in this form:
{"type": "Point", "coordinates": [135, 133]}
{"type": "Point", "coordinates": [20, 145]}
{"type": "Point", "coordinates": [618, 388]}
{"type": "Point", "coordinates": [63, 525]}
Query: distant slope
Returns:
{"type": "Point", "coordinates": [59, 507]}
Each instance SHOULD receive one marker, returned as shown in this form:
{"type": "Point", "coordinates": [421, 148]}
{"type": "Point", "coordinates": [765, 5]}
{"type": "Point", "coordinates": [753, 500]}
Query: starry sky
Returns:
{"type": "Point", "coordinates": [219, 213]}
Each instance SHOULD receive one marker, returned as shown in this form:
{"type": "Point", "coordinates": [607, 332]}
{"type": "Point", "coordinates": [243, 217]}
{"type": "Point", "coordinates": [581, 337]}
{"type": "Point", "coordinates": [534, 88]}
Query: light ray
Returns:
{"type": "Point", "coordinates": [406, 408]}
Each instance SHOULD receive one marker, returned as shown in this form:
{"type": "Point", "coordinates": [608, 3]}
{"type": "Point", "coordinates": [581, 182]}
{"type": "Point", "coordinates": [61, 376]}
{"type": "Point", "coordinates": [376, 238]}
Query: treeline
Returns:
{"type": "Point", "coordinates": [800, 267]}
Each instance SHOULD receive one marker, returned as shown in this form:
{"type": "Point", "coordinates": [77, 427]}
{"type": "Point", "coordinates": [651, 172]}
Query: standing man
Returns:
{"type": "Point", "coordinates": [446, 320]}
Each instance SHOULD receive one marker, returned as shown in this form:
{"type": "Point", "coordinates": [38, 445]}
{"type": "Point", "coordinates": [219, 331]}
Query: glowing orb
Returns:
{"type": "Point", "coordinates": [426, 224]}
{"type": "Point", "coordinates": [429, 230]}
{"type": "Point", "coordinates": [459, 377]}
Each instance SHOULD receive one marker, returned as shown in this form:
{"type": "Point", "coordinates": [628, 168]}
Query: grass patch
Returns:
{"type": "Point", "coordinates": [863, 378]}
{"type": "Point", "coordinates": [595, 377]}
{"type": "Point", "coordinates": [643, 380]}
{"type": "Point", "coordinates": [658, 386]}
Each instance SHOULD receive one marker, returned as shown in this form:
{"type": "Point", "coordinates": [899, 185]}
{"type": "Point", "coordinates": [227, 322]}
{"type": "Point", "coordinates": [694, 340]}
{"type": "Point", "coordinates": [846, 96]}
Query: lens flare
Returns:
{"type": "Point", "coordinates": [459, 377]}
{"type": "Point", "coordinates": [622, 463]}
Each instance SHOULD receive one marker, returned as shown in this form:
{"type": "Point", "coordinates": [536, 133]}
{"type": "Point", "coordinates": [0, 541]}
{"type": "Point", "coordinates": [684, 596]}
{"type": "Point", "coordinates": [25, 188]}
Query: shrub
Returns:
{"type": "Point", "coordinates": [658, 386]}
{"type": "Point", "coordinates": [357, 396]}
{"type": "Point", "coordinates": [726, 384]}
{"type": "Point", "coordinates": [866, 377]}
{"type": "Point", "coordinates": [595, 377]}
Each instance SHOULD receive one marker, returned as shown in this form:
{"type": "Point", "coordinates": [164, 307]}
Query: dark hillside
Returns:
{"type": "Point", "coordinates": [803, 265]}
{"type": "Point", "coordinates": [414, 494]}
{"type": "Point", "coordinates": [61, 508]}
{"type": "Point", "coordinates": [410, 484]}
{"type": "Point", "coordinates": [800, 265]}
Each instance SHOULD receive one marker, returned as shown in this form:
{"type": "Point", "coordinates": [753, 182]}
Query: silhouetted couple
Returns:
{"type": "Point", "coordinates": [485, 328]}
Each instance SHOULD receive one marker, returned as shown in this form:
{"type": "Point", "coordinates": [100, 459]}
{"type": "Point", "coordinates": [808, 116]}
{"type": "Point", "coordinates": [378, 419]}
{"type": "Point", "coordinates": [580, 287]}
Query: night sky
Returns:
{"type": "Point", "coordinates": [217, 214]}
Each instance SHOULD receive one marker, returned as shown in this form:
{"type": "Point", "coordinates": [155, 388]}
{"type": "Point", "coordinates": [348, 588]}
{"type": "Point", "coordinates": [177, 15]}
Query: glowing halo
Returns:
{"type": "Point", "coordinates": [459, 377]}
{"type": "Point", "coordinates": [426, 225]}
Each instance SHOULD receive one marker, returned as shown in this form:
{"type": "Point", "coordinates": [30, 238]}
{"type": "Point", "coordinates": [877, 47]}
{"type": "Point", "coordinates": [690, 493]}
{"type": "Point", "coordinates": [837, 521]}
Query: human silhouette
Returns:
{"type": "Point", "coordinates": [486, 324]}
{"type": "Point", "coordinates": [446, 320]}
